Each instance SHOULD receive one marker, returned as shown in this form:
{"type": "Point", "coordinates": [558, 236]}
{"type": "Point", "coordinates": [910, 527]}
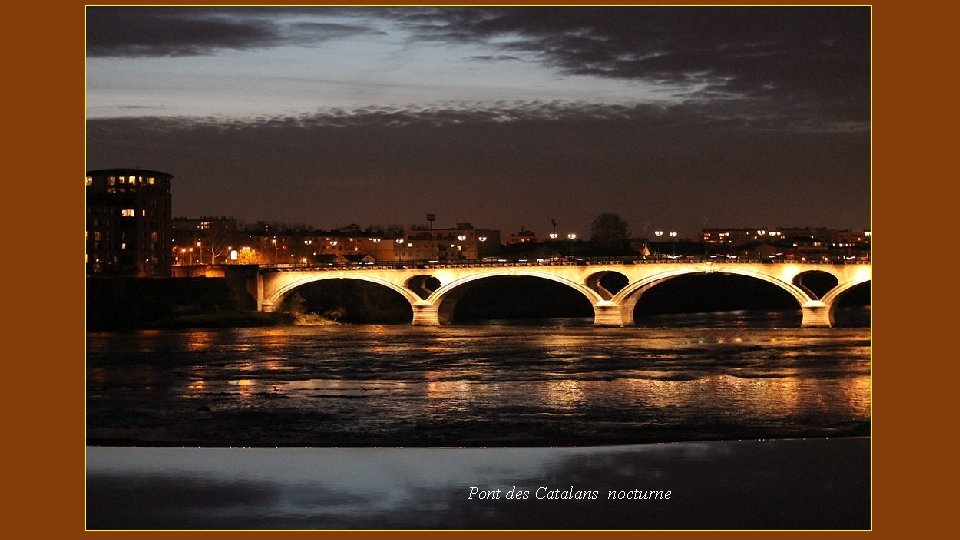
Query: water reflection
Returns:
{"type": "Point", "coordinates": [724, 485]}
{"type": "Point", "coordinates": [481, 385]}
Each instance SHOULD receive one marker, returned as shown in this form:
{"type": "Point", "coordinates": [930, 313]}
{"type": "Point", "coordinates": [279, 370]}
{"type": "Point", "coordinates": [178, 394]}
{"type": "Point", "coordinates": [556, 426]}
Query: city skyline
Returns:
{"type": "Point", "coordinates": [673, 118]}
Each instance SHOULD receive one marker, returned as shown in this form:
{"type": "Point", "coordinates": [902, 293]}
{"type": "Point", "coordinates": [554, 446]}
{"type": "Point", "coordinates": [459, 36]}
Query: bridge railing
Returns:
{"type": "Point", "coordinates": [556, 261]}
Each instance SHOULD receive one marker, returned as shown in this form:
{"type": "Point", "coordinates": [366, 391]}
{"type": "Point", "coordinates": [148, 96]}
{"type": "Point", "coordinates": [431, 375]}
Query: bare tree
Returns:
{"type": "Point", "coordinates": [609, 233]}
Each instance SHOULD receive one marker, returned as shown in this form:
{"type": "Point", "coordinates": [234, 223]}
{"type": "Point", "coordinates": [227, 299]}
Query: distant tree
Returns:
{"type": "Point", "coordinates": [608, 234]}
{"type": "Point", "coordinates": [216, 239]}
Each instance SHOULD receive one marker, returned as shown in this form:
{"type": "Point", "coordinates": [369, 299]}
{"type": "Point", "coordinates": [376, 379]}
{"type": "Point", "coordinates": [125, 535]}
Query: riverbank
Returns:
{"type": "Point", "coordinates": [791, 484]}
{"type": "Point", "coordinates": [130, 303]}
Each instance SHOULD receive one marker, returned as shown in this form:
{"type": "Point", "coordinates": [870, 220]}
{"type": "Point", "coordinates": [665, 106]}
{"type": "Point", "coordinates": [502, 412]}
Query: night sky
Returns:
{"type": "Point", "coordinates": [674, 118]}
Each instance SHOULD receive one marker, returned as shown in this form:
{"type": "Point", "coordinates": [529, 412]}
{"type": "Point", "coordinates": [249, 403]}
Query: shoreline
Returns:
{"type": "Point", "coordinates": [856, 433]}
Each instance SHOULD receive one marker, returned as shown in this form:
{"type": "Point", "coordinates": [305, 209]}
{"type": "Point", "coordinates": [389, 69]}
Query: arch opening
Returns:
{"type": "Point", "coordinates": [516, 299]}
{"type": "Point", "coordinates": [852, 309]}
{"type": "Point", "coordinates": [607, 284]}
{"type": "Point", "coordinates": [423, 285]}
{"type": "Point", "coordinates": [816, 283]}
{"type": "Point", "coordinates": [352, 301]}
{"type": "Point", "coordinates": [716, 300]}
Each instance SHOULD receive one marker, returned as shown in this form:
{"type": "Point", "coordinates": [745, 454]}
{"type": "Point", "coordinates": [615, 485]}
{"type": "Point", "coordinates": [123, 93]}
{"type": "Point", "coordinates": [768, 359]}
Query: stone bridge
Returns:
{"type": "Point", "coordinates": [433, 291]}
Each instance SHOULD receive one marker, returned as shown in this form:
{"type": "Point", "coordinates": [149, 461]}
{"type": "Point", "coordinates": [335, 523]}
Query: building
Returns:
{"type": "Point", "coordinates": [457, 244]}
{"type": "Point", "coordinates": [206, 239]}
{"type": "Point", "coordinates": [799, 243]}
{"type": "Point", "coordinates": [128, 222]}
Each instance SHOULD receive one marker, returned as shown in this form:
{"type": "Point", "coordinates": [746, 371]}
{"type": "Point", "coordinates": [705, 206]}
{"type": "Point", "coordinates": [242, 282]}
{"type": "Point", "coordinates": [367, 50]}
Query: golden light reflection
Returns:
{"type": "Point", "coordinates": [558, 342]}
{"type": "Point", "coordinates": [661, 394]}
{"type": "Point", "coordinates": [274, 365]}
{"type": "Point", "coordinates": [245, 387]}
{"type": "Point", "coordinates": [857, 395]}
{"type": "Point", "coordinates": [198, 341]}
{"type": "Point", "coordinates": [563, 394]}
{"type": "Point", "coordinates": [449, 389]}
{"type": "Point", "coordinates": [438, 388]}
{"type": "Point", "coordinates": [769, 396]}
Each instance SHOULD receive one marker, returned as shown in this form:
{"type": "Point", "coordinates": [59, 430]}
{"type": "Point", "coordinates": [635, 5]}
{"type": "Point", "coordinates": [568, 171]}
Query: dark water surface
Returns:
{"type": "Point", "coordinates": [556, 382]}
{"type": "Point", "coordinates": [781, 484]}
{"type": "Point", "coordinates": [547, 406]}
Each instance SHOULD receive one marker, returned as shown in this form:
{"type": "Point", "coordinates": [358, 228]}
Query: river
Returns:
{"type": "Point", "coordinates": [606, 393]}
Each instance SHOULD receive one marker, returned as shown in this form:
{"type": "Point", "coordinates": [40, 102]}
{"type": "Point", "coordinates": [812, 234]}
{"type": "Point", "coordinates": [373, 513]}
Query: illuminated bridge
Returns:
{"type": "Point", "coordinates": [433, 290]}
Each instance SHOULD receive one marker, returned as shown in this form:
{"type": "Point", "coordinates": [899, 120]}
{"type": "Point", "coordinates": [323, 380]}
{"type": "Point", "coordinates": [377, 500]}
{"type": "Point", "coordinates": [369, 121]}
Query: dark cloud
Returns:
{"type": "Point", "coordinates": [507, 165]}
{"type": "Point", "coordinates": [496, 58]}
{"type": "Point", "coordinates": [817, 56]}
{"type": "Point", "coordinates": [184, 31]}
{"type": "Point", "coordinates": [814, 53]}
{"type": "Point", "coordinates": [778, 133]}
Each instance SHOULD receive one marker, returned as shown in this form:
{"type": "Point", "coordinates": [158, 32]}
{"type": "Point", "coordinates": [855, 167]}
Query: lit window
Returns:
{"type": "Point", "coordinates": [127, 212]}
{"type": "Point", "coordinates": [151, 180]}
{"type": "Point", "coordinates": [123, 245]}
{"type": "Point", "coordinates": [111, 180]}
{"type": "Point", "coordinates": [143, 212]}
{"type": "Point", "coordinates": [89, 181]}
{"type": "Point", "coordinates": [123, 179]}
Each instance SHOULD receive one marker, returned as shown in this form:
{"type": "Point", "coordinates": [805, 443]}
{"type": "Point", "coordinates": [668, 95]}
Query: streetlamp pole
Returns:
{"type": "Point", "coordinates": [399, 242]}
{"type": "Point", "coordinates": [461, 238]}
{"type": "Point", "coordinates": [482, 240]}
{"type": "Point", "coordinates": [376, 248]}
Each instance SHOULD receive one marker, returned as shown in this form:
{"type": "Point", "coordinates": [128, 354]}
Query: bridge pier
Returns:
{"type": "Point", "coordinates": [606, 313]}
{"type": "Point", "coordinates": [425, 314]}
{"type": "Point", "coordinates": [816, 314]}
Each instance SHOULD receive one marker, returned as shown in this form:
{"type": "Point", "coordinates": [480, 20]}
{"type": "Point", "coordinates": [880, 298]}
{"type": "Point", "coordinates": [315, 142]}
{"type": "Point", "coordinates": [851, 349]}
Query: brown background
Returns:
{"type": "Point", "coordinates": [913, 137]}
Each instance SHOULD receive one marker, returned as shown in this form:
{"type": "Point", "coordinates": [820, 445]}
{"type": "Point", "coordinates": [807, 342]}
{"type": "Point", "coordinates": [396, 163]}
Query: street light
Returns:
{"type": "Point", "coordinates": [461, 238]}
{"type": "Point", "coordinates": [399, 242]}
{"type": "Point", "coordinates": [673, 243]}
{"type": "Point", "coordinates": [199, 252]}
{"type": "Point", "coordinates": [482, 240]}
{"type": "Point", "coordinates": [376, 247]}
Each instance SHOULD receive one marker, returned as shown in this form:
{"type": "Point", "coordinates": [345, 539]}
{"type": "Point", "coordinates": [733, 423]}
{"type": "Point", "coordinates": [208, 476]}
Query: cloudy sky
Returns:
{"type": "Point", "coordinates": [674, 118]}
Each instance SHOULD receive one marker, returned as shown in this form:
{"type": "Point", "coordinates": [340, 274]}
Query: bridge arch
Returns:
{"type": "Point", "coordinates": [815, 283]}
{"type": "Point", "coordinates": [446, 297]}
{"type": "Point", "coordinates": [607, 283]}
{"type": "Point", "coordinates": [628, 298]}
{"type": "Point", "coordinates": [423, 285]}
{"type": "Point", "coordinates": [278, 296]}
{"type": "Point", "coordinates": [831, 299]}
